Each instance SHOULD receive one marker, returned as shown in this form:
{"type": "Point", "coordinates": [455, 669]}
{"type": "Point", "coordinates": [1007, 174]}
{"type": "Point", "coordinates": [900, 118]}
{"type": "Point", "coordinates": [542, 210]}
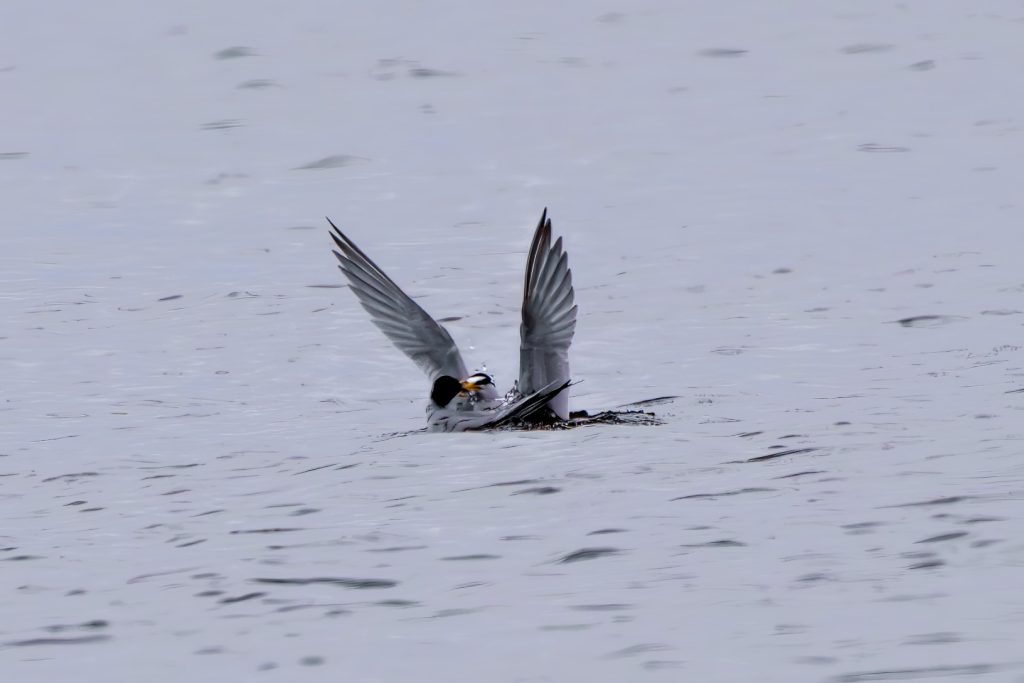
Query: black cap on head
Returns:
{"type": "Point", "coordinates": [445, 389]}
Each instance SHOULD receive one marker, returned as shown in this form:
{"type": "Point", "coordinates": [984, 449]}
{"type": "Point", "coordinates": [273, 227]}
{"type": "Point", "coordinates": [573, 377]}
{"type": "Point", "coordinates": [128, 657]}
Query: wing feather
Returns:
{"type": "Point", "coordinates": [402, 320]}
{"type": "Point", "coordinates": [549, 318]}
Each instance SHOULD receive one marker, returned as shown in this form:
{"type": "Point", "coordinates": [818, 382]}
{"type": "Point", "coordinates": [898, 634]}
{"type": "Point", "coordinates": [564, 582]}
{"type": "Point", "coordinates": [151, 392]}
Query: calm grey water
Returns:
{"type": "Point", "coordinates": [801, 218]}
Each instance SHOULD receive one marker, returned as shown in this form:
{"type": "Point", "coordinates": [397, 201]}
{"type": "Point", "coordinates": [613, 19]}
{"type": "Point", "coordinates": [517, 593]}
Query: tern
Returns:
{"type": "Point", "coordinates": [460, 401]}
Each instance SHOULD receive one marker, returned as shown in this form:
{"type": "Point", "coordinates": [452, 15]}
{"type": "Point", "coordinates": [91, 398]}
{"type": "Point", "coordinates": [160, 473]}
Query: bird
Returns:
{"type": "Point", "coordinates": [459, 401]}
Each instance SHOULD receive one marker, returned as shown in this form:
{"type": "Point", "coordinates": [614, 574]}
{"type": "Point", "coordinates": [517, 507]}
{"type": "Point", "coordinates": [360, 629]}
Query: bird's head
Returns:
{"type": "Point", "coordinates": [447, 387]}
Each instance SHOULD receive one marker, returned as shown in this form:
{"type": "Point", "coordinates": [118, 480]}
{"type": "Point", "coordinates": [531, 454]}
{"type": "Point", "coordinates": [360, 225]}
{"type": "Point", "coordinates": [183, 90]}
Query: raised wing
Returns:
{"type": "Point", "coordinates": [549, 318]}
{"type": "Point", "coordinates": [401, 319]}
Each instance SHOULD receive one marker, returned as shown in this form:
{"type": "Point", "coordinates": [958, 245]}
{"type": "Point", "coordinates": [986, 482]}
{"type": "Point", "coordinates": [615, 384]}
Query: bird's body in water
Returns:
{"type": "Point", "coordinates": [460, 401]}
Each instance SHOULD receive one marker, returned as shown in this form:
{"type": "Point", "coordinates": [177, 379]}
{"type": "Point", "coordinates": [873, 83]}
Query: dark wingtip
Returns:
{"type": "Point", "coordinates": [337, 240]}
{"type": "Point", "coordinates": [334, 232]}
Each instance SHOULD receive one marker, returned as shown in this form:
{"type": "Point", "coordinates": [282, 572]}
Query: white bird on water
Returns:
{"type": "Point", "coordinates": [459, 401]}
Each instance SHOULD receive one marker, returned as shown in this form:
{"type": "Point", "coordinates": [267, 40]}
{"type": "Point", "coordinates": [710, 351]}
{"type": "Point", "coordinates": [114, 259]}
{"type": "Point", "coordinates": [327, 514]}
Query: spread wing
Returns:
{"type": "Point", "coordinates": [549, 318]}
{"type": "Point", "coordinates": [401, 319]}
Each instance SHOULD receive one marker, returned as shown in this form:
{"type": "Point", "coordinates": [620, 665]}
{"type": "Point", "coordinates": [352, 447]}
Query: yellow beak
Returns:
{"type": "Point", "coordinates": [469, 386]}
